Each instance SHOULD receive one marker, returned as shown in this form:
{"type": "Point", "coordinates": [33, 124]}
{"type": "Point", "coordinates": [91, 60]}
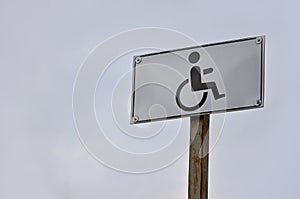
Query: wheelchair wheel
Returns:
{"type": "Point", "coordinates": [189, 108]}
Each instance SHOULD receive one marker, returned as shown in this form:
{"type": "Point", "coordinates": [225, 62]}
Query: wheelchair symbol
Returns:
{"type": "Point", "coordinates": [197, 84]}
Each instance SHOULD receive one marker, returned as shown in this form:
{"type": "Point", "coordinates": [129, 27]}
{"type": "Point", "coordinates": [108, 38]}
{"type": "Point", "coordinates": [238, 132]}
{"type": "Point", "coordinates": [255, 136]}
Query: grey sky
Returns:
{"type": "Point", "coordinates": [42, 47]}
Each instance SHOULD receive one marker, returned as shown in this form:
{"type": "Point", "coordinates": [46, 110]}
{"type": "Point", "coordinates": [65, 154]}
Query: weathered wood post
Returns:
{"type": "Point", "coordinates": [198, 157]}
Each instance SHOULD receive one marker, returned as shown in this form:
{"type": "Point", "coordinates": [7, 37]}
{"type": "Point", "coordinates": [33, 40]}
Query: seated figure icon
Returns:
{"type": "Point", "coordinates": [197, 84]}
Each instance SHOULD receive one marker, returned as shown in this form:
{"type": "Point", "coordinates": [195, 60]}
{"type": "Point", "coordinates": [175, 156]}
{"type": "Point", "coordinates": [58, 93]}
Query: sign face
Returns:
{"type": "Point", "coordinates": [212, 78]}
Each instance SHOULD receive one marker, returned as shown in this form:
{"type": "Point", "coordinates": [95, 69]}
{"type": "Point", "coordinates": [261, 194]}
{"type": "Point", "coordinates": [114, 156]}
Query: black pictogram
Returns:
{"type": "Point", "coordinates": [197, 84]}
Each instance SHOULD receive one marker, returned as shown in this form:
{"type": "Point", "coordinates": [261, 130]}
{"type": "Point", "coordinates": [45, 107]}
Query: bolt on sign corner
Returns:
{"type": "Point", "coordinates": [211, 78]}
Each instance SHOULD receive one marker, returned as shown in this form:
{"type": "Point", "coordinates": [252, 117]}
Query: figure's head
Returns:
{"type": "Point", "coordinates": [194, 57]}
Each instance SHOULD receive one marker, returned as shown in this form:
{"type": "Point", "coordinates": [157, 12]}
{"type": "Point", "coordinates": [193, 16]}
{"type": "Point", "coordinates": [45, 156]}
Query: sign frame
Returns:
{"type": "Point", "coordinates": [260, 102]}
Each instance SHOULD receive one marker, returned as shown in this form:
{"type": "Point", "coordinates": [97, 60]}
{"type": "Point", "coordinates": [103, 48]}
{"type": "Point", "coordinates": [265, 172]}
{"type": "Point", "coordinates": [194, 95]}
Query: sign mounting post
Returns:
{"type": "Point", "coordinates": [198, 157]}
{"type": "Point", "coordinates": [196, 82]}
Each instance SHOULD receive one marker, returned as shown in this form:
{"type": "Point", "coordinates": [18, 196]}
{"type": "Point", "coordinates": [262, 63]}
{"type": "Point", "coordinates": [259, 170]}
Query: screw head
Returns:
{"type": "Point", "coordinates": [258, 102]}
{"type": "Point", "coordinates": [258, 40]}
{"type": "Point", "coordinates": [138, 60]}
{"type": "Point", "coordinates": [135, 119]}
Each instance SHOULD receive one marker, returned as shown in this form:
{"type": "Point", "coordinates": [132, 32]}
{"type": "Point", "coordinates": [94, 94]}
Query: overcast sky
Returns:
{"type": "Point", "coordinates": [42, 46]}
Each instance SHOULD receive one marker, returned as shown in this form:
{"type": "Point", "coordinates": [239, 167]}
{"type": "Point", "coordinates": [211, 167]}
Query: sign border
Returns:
{"type": "Point", "coordinates": [260, 103]}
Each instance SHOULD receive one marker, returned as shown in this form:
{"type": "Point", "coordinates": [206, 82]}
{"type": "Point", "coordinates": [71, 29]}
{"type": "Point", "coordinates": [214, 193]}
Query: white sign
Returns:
{"type": "Point", "coordinates": [211, 78]}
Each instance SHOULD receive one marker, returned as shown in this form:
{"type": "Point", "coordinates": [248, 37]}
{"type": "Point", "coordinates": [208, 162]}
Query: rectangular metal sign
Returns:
{"type": "Point", "coordinates": [211, 78]}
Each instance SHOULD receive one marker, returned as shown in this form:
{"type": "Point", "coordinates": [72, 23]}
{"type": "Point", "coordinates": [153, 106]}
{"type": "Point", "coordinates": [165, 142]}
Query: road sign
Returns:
{"type": "Point", "coordinates": [211, 78]}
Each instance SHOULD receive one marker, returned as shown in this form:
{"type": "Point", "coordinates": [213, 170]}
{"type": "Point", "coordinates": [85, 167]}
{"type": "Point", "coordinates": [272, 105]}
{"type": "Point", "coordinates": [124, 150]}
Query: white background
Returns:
{"type": "Point", "coordinates": [42, 45]}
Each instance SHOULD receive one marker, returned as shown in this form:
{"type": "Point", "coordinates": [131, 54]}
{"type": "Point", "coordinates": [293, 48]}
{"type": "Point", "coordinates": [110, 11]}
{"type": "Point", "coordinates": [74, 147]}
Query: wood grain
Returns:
{"type": "Point", "coordinates": [198, 157]}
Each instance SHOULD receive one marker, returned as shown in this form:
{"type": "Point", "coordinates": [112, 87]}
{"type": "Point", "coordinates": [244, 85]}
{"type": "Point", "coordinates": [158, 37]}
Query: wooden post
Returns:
{"type": "Point", "coordinates": [198, 157]}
